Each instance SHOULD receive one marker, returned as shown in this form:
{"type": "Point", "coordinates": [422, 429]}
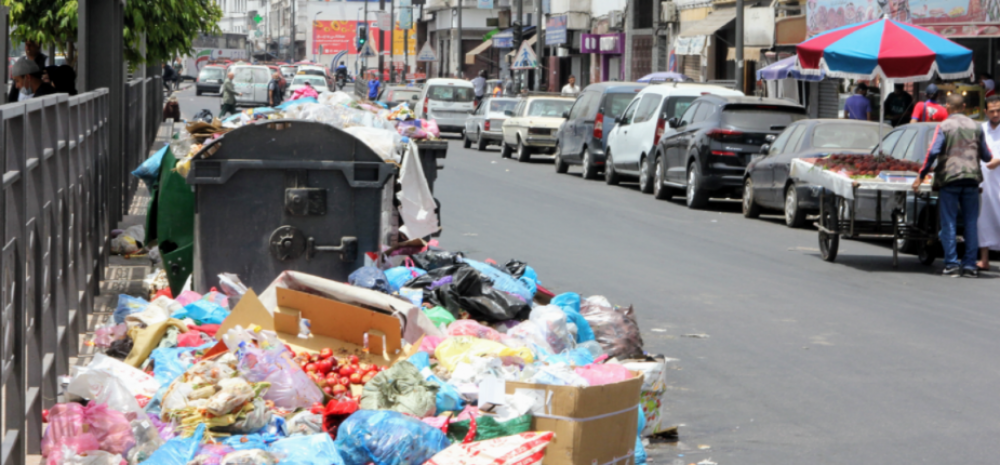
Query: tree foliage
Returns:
{"type": "Point", "coordinates": [169, 26]}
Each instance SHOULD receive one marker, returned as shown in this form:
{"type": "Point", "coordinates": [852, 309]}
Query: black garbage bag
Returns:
{"type": "Point", "coordinates": [203, 115]}
{"type": "Point", "coordinates": [433, 259]}
{"type": "Point", "coordinates": [460, 288]}
{"type": "Point", "coordinates": [120, 349]}
{"type": "Point", "coordinates": [515, 267]}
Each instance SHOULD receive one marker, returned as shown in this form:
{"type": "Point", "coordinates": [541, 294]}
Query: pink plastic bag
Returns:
{"type": "Point", "coordinates": [430, 343]}
{"type": "Point", "coordinates": [609, 373]}
{"type": "Point", "coordinates": [473, 328]}
{"type": "Point", "coordinates": [430, 127]}
{"type": "Point", "coordinates": [106, 430]}
{"type": "Point", "coordinates": [110, 427]}
{"type": "Point", "coordinates": [187, 297]}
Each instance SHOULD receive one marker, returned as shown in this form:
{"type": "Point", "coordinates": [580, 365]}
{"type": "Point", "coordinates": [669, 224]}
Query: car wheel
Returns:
{"type": "Point", "coordinates": [794, 216]}
{"type": "Point", "coordinates": [466, 143]}
{"type": "Point", "coordinates": [504, 150]}
{"type": "Point", "coordinates": [610, 175]}
{"type": "Point", "coordinates": [561, 166]}
{"type": "Point", "coordinates": [696, 196]}
{"type": "Point", "coordinates": [660, 191]}
{"type": "Point", "coordinates": [589, 170]}
{"type": "Point", "coordinates": [480, 142]}
{"type": "Point", "coordinates": [645, 176]}
{"type": "Point", "coordinates": [523, 155]}
{"type": "Point", "coordinates": [750, 207]}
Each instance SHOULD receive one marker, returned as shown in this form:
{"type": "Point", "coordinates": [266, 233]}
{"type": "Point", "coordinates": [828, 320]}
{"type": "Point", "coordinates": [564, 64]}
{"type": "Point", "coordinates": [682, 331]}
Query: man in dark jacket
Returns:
{"type": "Point", "coordinates": [33, 52]}
{"type": "Point", "coordinates": [958, 145]}
{"type": "Point", "coordinates": [27, 81]}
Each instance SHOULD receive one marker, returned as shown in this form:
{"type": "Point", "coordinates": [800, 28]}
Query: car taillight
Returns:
{"type": "Point", "coordinates": [486, 125]}
{"type": "Point", "coordinates": [659, 131]}
{"type": "Point", "coordinates": [427, 101]}
{"type": "Point", "coordinates": [599, 126]}
{"type": "Point", "coordinates": [722, 153]}
{"type": "Point", "coordinates": [723, 134]}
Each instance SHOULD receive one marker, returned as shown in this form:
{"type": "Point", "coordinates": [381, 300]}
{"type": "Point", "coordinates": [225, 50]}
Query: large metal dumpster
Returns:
{"type": "Point", "coordinates": [287, 195]}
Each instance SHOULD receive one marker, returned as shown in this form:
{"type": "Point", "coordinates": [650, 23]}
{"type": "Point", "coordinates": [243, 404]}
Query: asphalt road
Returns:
{"type": "Point", "coordinates": [805, 361]}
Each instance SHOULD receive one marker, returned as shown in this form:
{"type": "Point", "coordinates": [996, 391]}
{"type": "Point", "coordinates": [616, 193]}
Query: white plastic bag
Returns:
{"type": "Point", "coordinates": [86, 383]}
{"type": "Point", "coordinates": [381, 141]}
{"type": "Point", "coordinates": [553, 321]}
{"type": "Point", "coordinates": [128, 241]}
{"type": "Point", "coordinates": [416, 201]}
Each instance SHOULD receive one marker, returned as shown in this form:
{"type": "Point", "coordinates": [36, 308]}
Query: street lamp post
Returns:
{"type": "Point", "coordinates": [314, 34]}
{"type": "Point", "coordinates": [358, 20]}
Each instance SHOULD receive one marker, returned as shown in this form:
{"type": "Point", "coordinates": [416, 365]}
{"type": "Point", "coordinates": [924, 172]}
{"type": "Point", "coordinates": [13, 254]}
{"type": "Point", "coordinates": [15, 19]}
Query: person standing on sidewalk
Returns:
{"type": "Point", "coordinates": [571, 88]}
{"type": "Point", "coordinates": [958, 146]}
{"type": "Point", "coordinates": [989, 212]}
{"type": "Point", "coordinates": [929, 111]}
{"type": "Point", "coordinates": [479, 86]}
{"type": "Point", "coordinates": [228, 97]}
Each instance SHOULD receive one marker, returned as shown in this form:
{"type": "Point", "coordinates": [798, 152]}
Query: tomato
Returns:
{"type": "Point", "coordinates": [332, 379]}
{"type": "Point", "coordinates": [325, 352]}
{"type": "Point", "coordinates": [367, 377]}
{"type": "Point", "coordinates": [328, 390]}
{"type": "Point", "coordinates": [356, 378]}
{"type": "Point", "coordinates": [338, 390]}
{"type": "Point", "coordinates": [346, 371]}
{"type": "Point", "coordinates": [345, 381]}
{"type": "Point", "coordinates": [311, 367]}
{"type": "Point", "coordinates": [324, 366]}
{"type": "Point", "coordinates": [354, 359]}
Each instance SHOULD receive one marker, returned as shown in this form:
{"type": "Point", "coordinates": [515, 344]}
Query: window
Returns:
{"type": "Point", "coordinates": [918, 149]}
{"type": "Point", "coordinates": [793, 141]}
{"type": "Point", "coordinates": [905, 140]}
{"type": "Point", "coordinates": [689, 114]}
{"type": "Point", "coordinates": [890, 141]}
{"type": "Point", "coordinates": [675, 106]}
{"type": "Point", "coordinates": [316, 81]}
{"type": "Point", "coordinates": [705, 110]}
{"type": "Point", "coordinates": [243, 76]}
{"type": "Point", "coordinates": [845, 136]}
{"type": "Point", "coordinates": [643, 16]}
{"type": "Point", "coordinates": [211, 73]}
{"type": "Point", "coordinates": [263, 76]}
{"type": "Point", "coordinates": [779, 144]}
{"type": "Point", "coordinates": [614, 104]}
{"type": "Point", "coordinates": [500, 106]}
{"type": "Point", "coordinates": [753, 118]}
{"type": "Point", "coordinates": [630, 111]}
{"type": "Point", "coordinates": [647, 108]}
{"type": "Point", "coordinates": [579, 108]}
{"type": "Point", "coordinates": [549, 108]}
{"type": "Point", "coordinates": [450, 94]}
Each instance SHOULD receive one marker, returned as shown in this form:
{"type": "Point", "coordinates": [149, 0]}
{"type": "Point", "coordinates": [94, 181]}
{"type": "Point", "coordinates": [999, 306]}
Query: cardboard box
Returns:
{"type": "Point", "coordinates": [337, 325]}
{"type": "Point", "coordinates": [594, 425]}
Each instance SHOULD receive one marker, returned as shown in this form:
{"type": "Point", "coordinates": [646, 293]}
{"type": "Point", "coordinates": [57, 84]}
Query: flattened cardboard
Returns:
{"type": "Point", "coordinates": [599, 441]}
{"type": "Point", "coordinates": [339, 326]}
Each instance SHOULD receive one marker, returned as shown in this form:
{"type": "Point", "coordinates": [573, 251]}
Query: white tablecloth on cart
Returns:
{"type": "Point", "coordinates": [805, 171]}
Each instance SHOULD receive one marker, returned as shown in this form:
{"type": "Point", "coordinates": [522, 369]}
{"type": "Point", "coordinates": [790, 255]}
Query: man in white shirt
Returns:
{"type": "Point", "coordinates": [989, 210]}
{"type": "Point", "coordinates": [571, 88]}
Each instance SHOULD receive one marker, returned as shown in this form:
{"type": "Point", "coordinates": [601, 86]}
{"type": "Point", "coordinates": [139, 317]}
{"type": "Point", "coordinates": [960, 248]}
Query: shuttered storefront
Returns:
{"type": "Point", "coordinates": [829, 99]}
{"type": "Point", "coordinates": [692, 66]}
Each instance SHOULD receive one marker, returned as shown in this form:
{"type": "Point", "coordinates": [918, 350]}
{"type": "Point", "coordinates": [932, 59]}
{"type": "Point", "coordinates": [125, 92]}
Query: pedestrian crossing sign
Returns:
{"type": "Point", "coordinates": [525, 58]}
{"type": "Point", "coordinates": [367, 50]}
{"type": "Point", "coordinates": [427, 53]}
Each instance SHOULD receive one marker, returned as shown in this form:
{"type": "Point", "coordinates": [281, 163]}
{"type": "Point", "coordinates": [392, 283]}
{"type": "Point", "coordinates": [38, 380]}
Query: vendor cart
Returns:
{"type": "Point", "coordinates": [876, 208]}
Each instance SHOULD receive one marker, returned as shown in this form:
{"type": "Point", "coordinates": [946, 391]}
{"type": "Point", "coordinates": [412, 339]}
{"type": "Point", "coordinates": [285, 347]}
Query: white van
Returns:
{"type": "Point", "coordinates": [644, 122]}
{"type": "Point", "coordinates": [251, 81]}
{"type": "Point", "coordinates": [449, 102]}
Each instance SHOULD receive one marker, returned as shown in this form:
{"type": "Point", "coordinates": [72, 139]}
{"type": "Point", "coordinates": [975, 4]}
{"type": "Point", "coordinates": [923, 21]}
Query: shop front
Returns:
{"type": "Point", "coordinates": [609, 48]}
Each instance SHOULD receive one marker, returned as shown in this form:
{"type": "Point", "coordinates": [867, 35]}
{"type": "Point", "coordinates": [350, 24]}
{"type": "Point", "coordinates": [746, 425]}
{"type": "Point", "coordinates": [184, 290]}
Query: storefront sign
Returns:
{"type": "Point", "coordinates": [555, 30]}
{"type": "Point", "coordinates": [823, 15]}
{"type": "Point", "coordinates": [503, 40]}
{"type": "Point", "coordinates": [609, 44]}
{"type": "Point", "coordinates": [690, 45]}
{"type": "Point", "coordinates": [405, 18]}
{"type": "Point", "coordinates": [485, 4]}
{"type": "Point", "coordinates": [335, 36]}
{"type": "Point", "coordinates": [951, 18]}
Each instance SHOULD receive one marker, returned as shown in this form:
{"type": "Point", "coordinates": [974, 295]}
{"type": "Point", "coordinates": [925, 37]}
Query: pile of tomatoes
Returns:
{"type": "Point", "coordinates": [336, 375]}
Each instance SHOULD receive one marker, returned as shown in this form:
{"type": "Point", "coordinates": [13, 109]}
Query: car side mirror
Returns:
{"type": "Point", "coordinates": [765, 149]}
{"type": "Point", "coordinates": [673, 123]}
{"type": "Point", "coordinates": [770, 138]}
{"type": "Point", "coordinates": [508, 113]}
{"type": "Point", "coordinates": [565, 115]}
{"type": "Point", "coordinates": [620, 120]}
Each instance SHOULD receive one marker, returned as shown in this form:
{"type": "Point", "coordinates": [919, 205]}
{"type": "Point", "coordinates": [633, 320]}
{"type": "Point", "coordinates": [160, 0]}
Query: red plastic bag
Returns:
{"type": "Point", "coordinates": [335, 413]}
{"type": "Point", "coordinates": [521, 449]}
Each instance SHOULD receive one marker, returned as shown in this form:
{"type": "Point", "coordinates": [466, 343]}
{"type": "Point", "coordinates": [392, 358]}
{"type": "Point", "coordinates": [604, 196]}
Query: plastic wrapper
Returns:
{"type": "Point", "coordinates": [460, 288]}
{"type": "Point", "coordinates": [430, 343]}
{"type": "Point", "coordinates": [249, 457]}
{"type": "Point", "coordinates": [521, 449]}
{"type": "Point", "coordinates": [315, 449]}
{"type": "Point", "coordinates": [615, 328]}
{"type": "Point", "coordinates": [558, 375]}
{"type": "Point", "coordinates": [453, 350]}
{"type": "Point", "coordinates": [474, 329]}
{"type": "Point", "coordinates": [487, 427]}
{"type": "Point", "coordinates": [553, 321]}
{"type": "Point", "coordinates": [254, 420]}
{"type": "Point", "coordinates": [434, 259]}
{"type": "Point", "coordinates": [607, 373]}
{"type": "Point", "coordinates": [250, 441]}
{"type": "Point", "coordinates": [335, 413]}
{"type": "Point", "coordinates": [447, 398]}
{"type": "Point", "coordinates": [439, 316]}
{"type": "Point", "coordinates": [652, 396]}
{"type": "Point", "coordinates": [168, 364]}
{"type": "Point", "coordinates": [232, 286]}
{"type": "Point", "coordinates": [147, 438]}
{"type": "Point", "coordinates": [203, 312]}
{"type": "Point", "coordinates": [532, 335]}
{"type": "Point", "coordinates": [92, 381]}
{"type": "Point", "coordinates": [579, 356]}
{"type": "Point", "coordinates": [370, 277]}
{"type": "Point", "coordinates": [381, 140]}
{"type": "Point", "coordinates": [234, 393]}
{"type": "Point", "coordinates": [93, 457]}
{"type": "Point", "coordinates": [158, 311]}
{"type": "Point", "coordinates": [290, 387]}
{"type": "Point", "coordinates": [401, 388]}
{"type": "Point", "coordinates": [149, 170]}
{"type": "Point", "coordinates": [417, 207]}
{"type": "Point", "coordinates": [211, 454]}
{"type": "Point", "coordinates": [304, 423]}
{"type": "Point", "coordinates": [105, 335]}
{"type": "Point", "coordinates": [129, 241]}
{"type": "Point", "coordinates": [128, 305]}
{"type": "Point", "coordinates": [384, 437]}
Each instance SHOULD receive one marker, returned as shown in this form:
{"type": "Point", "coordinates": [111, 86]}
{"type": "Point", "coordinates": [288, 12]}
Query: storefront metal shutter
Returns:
{"type": "Point", "coordinates": [829, 99]}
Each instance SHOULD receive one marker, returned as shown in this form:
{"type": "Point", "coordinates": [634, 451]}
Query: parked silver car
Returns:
{"type": "Point", "coordinates": [485, 126]}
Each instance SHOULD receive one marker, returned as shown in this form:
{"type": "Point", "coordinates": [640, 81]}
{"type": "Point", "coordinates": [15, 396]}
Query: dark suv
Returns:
{"type": "Point", "coordinates": [713, 144]}
{"type": "Point", "coordinates": [582, 137]}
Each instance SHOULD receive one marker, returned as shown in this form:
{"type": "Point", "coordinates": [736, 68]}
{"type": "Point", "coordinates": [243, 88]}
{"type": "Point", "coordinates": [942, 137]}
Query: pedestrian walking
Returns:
{"type": "Point", "coordinates": [858, 106]}
{"type": "Point", "coordinates": [571, 88]}
{"type": "Point", "coordinates": [373, 86]}
{"type": "Point", "coordinates": [228, 97]}
{"type": "Point", "coordinates": [169, 77]}
{"type": "Point", "coordinates": [897, 106]}
{"type": "Point", "coordinates": [274, 90]}
{"type": "Point", "coordinates": [929, 110]}
{"type": "Point", "coordinates": [28, 80]}
{"type": "Point", "coordinates": [958, 146]}
{"type": "Point", "coordinates": [479, 86]}
{"type": "Point", "coordinates": [989, 211]}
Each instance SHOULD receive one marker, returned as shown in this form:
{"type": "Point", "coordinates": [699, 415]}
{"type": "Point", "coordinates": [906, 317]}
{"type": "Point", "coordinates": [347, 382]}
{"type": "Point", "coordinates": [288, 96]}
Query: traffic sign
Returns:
{"type": "Point", "coordinates": [257, 19]}
{"type": "Point", "coordinates": [427, 53]}
{"type": "Point", "coordinates": [367, 50]}
{"type": "Point", "coordinates": [525, 58]}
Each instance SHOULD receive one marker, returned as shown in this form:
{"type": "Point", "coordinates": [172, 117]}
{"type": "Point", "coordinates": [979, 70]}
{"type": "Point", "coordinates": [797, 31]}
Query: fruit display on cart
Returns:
{"type": "Point", "coordinates": [865, 166]}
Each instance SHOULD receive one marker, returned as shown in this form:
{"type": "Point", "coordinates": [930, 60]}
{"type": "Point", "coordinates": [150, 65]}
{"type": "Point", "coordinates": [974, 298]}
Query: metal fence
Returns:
{"type": "Point", "coordinates": [62, 194]}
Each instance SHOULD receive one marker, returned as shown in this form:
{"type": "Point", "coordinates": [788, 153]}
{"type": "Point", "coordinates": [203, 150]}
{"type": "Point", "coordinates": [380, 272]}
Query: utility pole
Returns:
{"type": "Point", "coordinates": [516, 74]}
{"type": "Point", "coordinates": [406, 45]}
{"type": "Point", "coordinates": [457, 43]}
{"type": "Point", "coordinates": [392, 37]}
{"type": "Point", "coordinates": [381, 41]}
{"type": "Point", "coordinates": [364, 64]}
{"type": "Point", "coordinates": [539, 44]}
{"type": "Point", "coordinates": [295, 48]}
{"type": "Point", "coordinates": [739, 45]}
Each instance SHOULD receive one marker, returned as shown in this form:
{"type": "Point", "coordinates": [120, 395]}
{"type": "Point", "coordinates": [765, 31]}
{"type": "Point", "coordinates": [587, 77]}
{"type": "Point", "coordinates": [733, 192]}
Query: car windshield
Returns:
{"type": "Point", "coordinates": [553, 108]}
{"type": "Point", "coordinates": [316, 81]}
{"type": "Point", "coordinates": [211, 73]}
{"type": "Point", "coordinates": [761, 117]}
{"type": "Point", "coordinates": [845, 136]}
{"type": "Point", "coordinates": [450, 94]}
{"type": "Point", "coordinates": [311, 72]}
{"type": "Point", "coordinates": [500, 106]}
{"type": "Point", "coordinates": [614, 104]}
{"type": "Point", "coordinates": [404, 95]}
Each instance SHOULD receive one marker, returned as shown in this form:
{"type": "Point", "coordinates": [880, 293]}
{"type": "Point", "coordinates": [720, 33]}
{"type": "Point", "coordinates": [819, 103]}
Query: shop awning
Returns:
{"type": "Point", "coordinates": [716, 20]}
{"type": "Point", "coordinates": [470, 57]}
{"type": "Point", "coordinates": [750, 53]}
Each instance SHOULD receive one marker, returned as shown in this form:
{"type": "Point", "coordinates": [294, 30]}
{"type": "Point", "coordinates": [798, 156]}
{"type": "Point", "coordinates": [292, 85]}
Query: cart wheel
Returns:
{"type": "Point", "coordinates": [896, 226]}
{"type": "Point", "coordinates": [829, 243]}
{"type": "Point", "coordinates": [926, 254]}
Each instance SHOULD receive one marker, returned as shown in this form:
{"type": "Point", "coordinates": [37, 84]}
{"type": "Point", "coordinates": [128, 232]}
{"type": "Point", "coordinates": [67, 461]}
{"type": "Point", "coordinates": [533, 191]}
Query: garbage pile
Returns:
{"type": "Point", "coordinates": [423, 357]}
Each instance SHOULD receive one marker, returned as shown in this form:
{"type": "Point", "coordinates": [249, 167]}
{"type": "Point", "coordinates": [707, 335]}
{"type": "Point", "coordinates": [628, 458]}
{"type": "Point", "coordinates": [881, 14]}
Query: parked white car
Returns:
{"type": "Point", "coordinates": [318, 83]}
{"type": "Point", "coordinates": [644, 122]}
{"type": "Point", "coordinates": [449, 102]}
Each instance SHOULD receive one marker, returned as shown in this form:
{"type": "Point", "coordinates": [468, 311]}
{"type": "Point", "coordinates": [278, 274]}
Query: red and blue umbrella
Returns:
{"type": "Point", "coordinates": [884, 48]}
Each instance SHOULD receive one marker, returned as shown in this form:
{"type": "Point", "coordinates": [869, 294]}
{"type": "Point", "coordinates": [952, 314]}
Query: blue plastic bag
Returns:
{"type": "Point", "coordinates": [149, 170]}
{"type": "Point", "coordinates": [177, 451]}
{"type": "Point", "coordinates": [640, 451]}
{"type": "Point", "coordinates": [579, 356]}
{"type": "Point", "coordinates": [448, 399]}
{"type": "Point", "coordinates": [370, 277]}
{"type": "Point", "coordinates": [168, 363]}
{"type": "Point", "coordinates": [314, 449]}
{"type": "Point", "coordinates": [384, 437]}
{"type": "Point", "coordinates": [569, 302]}
{"type": "Point", "coordinates": [203, 312]}
{"type": "Point", "coordinates": [249, 441]}
{"type": "Point", "coordinates": [401, 275]}
{"type": "Point", "coordinates": [502, 281]}
{"type": "Point", "coordinates": [292, 103]}
{"type": "Point", "coordinates": [128, 305]}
